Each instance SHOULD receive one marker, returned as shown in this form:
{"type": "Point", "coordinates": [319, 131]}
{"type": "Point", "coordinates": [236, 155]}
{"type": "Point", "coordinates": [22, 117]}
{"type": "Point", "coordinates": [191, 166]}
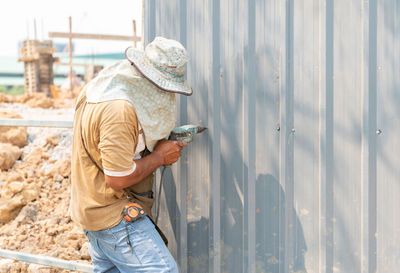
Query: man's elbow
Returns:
{"type": "Point", "coordinates": [117, 183]}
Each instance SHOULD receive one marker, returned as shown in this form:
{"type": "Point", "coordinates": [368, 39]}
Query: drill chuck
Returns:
{"type": "Point", "coordinates": [185, 133]}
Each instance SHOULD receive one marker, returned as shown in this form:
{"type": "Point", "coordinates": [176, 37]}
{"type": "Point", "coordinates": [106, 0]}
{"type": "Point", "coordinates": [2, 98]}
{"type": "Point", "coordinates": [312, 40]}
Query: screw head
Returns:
{"type": "Point", "coordinates": [379, 131]}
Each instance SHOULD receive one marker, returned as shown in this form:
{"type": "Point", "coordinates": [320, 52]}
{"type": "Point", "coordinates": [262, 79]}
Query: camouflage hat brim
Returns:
{"type": "Point", "coordinates": [156, 77]}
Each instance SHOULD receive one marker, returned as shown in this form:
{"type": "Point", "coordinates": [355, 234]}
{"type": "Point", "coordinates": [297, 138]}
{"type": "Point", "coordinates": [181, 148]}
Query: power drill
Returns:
{"type": "Point", "coordinates": [185, 133]}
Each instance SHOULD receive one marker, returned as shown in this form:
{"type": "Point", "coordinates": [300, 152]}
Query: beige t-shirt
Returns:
{"type": "Point", "coordinates": [110, 133]}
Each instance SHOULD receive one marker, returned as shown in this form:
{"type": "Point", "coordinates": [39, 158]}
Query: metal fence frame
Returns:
{"type": "Point", "coordinates": [45, 260]}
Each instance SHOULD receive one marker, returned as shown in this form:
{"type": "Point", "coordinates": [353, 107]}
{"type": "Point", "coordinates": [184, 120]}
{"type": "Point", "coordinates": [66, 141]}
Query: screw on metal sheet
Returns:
{"type": "Point", "coordinates": [278, 128]}
{"type": "Point", "coordinates": [378, 132]}
{"type": "Point", "coordinates": [293, 131]}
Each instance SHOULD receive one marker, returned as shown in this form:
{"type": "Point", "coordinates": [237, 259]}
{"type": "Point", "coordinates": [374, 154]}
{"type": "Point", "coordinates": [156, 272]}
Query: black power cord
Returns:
{"type": "Point", "coordinates": [158, 195]}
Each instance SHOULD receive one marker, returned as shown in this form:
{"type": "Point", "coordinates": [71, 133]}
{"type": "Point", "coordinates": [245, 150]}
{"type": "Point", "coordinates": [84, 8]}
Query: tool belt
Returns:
{"type": "Point", "coordinates": [134, 197]}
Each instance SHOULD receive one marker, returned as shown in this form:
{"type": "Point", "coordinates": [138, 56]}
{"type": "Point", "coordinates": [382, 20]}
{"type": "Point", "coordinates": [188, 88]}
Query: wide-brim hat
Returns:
{"type": "Point", "coordinates": [163, 63]}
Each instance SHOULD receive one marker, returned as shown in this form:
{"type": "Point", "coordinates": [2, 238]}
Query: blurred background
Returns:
{"type": "Point", "coordinates": [23, 20]}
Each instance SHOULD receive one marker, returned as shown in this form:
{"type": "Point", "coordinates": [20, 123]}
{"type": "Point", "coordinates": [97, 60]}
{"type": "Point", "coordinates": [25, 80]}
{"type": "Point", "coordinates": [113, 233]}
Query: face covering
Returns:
{"type": "Point", "coordinates": [156, 109]}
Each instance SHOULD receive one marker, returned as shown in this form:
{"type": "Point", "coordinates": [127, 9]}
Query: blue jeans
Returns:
{"type": "Point", "coordinates": [111, 252]}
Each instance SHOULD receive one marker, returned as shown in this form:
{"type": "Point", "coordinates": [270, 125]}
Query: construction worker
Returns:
{"type": "Point", "coordinates": [122, 119]}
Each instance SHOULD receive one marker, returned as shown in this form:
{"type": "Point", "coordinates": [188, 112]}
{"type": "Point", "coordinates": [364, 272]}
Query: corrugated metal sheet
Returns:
{"type": "Point", "coordinates": [300, 168]}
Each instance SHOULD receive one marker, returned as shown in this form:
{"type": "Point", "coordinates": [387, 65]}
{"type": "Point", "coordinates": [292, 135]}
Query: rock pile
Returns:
{"type": "Point", "coordinates": [40, 100]}
{"type": "Point", "coordinates": [8, 155]}
{"type": "Point", "coordinates": [14, 135]}
{"type": "Point", "coordinates": [34, 195]}
{"type": "Point", "coordinates": [11, 139]}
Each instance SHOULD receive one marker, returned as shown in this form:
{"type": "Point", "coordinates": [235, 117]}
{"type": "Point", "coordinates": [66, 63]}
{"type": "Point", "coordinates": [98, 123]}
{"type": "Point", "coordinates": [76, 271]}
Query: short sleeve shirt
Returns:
{"type": "Point", "coordinates": [110, 131]}
{"type": "Point", "coordinates": [118, 131]}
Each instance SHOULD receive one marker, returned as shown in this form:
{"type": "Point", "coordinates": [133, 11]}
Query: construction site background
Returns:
{"type": "Point", "coordinates": [34, 183]}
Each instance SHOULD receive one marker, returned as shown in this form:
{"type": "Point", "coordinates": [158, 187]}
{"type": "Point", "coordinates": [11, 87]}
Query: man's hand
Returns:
{"type": "Point", "coordinates": [168, 151]}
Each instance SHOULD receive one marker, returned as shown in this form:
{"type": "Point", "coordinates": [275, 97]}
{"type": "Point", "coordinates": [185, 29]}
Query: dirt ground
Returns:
{"type": "Point", "coordinates": [34, 187]}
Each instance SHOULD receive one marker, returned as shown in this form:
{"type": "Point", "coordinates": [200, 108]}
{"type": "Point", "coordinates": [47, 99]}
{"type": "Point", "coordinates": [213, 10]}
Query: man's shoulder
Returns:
{"type": "Point", "coordinates": [116, 111]}
{"type": "Point", "coordinates": [115, 105]}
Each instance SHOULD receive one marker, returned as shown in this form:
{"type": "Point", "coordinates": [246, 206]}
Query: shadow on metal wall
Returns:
{"type": "Point", "coordinates": [269, 256]}
{"type": "Point", "coordinates": [271, 218]}
{"type": "Point", "coordinates": [270, 230]}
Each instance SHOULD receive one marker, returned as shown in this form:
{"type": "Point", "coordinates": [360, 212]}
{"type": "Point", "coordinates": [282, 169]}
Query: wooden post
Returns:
{"type": "Point", "coordinates": [70, 56]}
{"type": "Point", "coordinates": [34, 29]}
{"type": "Point", "coordinates": [27, 30]}
{"type": "Point", "coordinates": [93, 36]}
{"type": "Point", "coordinates": [134, 32]}
{"type": "Point", "coordinates": [70, 35]}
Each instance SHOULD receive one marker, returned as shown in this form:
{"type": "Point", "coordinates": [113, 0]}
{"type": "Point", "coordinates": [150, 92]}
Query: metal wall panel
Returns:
{"type": "Point", "coordinates": [299, 170]}
{"type": "Point", "coordinates": [387, 172]}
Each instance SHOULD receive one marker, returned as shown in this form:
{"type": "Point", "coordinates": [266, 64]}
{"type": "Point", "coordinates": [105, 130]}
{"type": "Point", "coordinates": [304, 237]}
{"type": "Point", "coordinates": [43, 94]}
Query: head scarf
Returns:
{"type": "Point", "coordinates": [156, 109]}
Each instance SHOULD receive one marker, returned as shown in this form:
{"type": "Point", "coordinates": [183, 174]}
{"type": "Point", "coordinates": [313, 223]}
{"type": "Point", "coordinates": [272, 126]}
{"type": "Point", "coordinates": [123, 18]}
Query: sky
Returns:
{"type": "Point", "coordinates": [88, 16]}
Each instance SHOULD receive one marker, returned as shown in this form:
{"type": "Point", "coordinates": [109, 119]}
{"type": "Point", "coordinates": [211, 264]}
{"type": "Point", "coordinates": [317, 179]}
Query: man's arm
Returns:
{"type": "Point", "coordinates": [165, 153]}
